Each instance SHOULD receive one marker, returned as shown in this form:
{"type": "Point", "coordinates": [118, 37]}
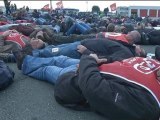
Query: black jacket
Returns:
{"type": "Point", "coordinates": [149, 36]}
{"type": "Point", "coordinates": [108, 95]}
{"type": "Point", "coordinates": [110, 49]}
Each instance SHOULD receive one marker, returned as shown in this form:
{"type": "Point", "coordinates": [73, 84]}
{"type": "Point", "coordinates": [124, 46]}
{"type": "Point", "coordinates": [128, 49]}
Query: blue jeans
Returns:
{"type": "Point", "coordinates": [69, 49]}
{"type": "Point", "coordinates": [82, 27]}
{"type": "Point", "coordinates": [40, 21]}
{"type": "Point", "coordinates": [48, 69]}
{"type": "Point", "coordinates": [85, 25]}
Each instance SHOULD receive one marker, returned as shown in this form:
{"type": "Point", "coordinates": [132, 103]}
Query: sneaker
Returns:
{"type": "Point", "coordinates": [157, 53]}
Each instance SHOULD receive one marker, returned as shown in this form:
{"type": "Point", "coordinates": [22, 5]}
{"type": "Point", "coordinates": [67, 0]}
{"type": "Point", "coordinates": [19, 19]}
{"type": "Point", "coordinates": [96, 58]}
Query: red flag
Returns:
{"type": "Point", "coordinates": [59, 4]}
{"type": "Point", "coordinates": [46, 7]}
{"type": "Point", "coordinates": [113, 7]}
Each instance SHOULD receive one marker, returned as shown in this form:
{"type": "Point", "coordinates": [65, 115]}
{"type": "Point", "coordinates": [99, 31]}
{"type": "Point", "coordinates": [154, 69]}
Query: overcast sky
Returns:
{"type": "Point", "coordinates": [82, 5]}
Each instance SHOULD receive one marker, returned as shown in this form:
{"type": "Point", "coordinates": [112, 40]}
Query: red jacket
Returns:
{"type": "Point", "coordinates": [137, 70]}
{"type": "Point", "coordinates": [113, 35]}
{"type": "Point", "coordinates": [17, 38]}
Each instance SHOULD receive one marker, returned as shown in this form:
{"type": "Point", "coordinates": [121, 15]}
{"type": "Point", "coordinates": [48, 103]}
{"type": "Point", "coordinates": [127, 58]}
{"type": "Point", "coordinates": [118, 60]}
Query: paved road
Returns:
{"type": "Point", "coordinates": [30, 99]}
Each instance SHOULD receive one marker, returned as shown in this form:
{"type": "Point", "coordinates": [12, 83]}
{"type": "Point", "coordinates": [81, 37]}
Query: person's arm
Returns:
{"type": "Point", "coordinates": [83, 50]}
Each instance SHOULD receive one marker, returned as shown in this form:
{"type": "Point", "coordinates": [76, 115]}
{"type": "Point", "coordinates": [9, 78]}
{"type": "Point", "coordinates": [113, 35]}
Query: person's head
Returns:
{"type": "Point", "coordinates": [140, 52]}
{"type": "Point", "coordinates": [37, 43]}
{"type": "Point", "coordinates": [110, 27]}
{"type": "Point", "coordinates": [117, 29]}
{"type": "Point", "coordinates": [133, 37]}
{"type": "Point", "coordinates": [140, 25]}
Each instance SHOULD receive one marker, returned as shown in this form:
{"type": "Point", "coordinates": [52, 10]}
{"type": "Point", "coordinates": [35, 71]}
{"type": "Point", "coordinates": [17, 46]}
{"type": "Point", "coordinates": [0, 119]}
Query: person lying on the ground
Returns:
{"type": "Point", "coordinates": [19, 40]}
{"type": "Point", "coordinates": [32, 30]}
{"type": "Point", "coordinates": [7, 76]}
{"type": "Point", "coordinates": [100, 88]}
{"type": "Point", "coordinates": [12, 39]}
{"type": "Point", "coordinates": [109, 49]}
{"type": "Point", "coordinates": [132, 37]}
{"type": "Point", "coordinates": [38, 43]}
{"type": "Point", "coordinates": [110, 90]}
{"type": "Point", "coordinates": [149, 36]}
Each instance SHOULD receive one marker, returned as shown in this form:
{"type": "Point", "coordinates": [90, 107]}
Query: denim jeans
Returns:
{"type": "Point", "coordinates": [69, 49]}
{"type": "Point", "coordinates": [40, 21]}
{"type": "Point", "coordinates": [82, 27]}
{"type": "Point", "coordinates": [85, 25]}
{"type": "Point", "coordinates": [48, 69]}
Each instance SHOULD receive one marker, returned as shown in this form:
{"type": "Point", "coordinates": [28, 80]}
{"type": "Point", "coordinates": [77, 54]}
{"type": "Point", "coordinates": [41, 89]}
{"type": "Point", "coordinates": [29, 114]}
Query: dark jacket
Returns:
{"type": "Point", "coordinates": [149, 36]}
{"type": "Point", "coordinates": [108, 95]}
{"type": "Point", "coordinates": [110, 49]}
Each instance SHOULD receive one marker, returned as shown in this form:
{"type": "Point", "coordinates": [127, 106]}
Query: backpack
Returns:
{"type": "Point", "coordinates": [6, 75]}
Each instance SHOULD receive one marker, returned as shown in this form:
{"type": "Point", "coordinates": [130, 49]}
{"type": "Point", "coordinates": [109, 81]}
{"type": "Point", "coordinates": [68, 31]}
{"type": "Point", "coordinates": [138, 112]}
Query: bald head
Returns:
{"type": "Point", "coordinates": [133, 37]}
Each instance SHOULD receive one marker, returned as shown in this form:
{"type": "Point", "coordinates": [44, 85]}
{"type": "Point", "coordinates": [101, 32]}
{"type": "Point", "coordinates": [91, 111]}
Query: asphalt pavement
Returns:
{"type": "Point", "coordinates": [31, 99]}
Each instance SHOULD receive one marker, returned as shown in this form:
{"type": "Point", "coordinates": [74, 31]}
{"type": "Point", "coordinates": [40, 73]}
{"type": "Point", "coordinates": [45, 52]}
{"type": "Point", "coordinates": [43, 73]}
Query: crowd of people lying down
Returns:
{"type": "Point", "coordinates": [100, 68]}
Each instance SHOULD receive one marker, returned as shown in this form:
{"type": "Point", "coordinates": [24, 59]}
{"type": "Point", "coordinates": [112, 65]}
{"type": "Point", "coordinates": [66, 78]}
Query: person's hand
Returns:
{"type": "Point", "coordinates": [81, 48]}
{"type": "Point", "coordinates": [158, 75]}
{"type": "Point", "coordinates": [8, 32]}
{"type": "Point", "coordinates": [99, 61]}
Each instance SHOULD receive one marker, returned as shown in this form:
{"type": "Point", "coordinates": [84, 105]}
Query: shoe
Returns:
{"type": "Point", "coordinates": [20, 55]}
{"type": "Point", "coordinates": [157, 53]}
{"type": "Point", "coordinates": [7, 57]}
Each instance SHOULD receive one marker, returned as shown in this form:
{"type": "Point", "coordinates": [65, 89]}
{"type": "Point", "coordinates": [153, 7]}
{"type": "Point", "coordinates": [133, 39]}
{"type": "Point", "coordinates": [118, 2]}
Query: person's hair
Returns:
{"type": "Point", "coordinates": [127, 28]}
{"type": "Point", "coordinates": [110, 27]}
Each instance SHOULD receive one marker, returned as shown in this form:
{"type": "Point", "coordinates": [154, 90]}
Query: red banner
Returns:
{"type": "Point", "coordinates": [46, 7]}
{"type": "Point", "coordinates": [59, 4]}
{"type": "Point", "coordinates": [113, 7]}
